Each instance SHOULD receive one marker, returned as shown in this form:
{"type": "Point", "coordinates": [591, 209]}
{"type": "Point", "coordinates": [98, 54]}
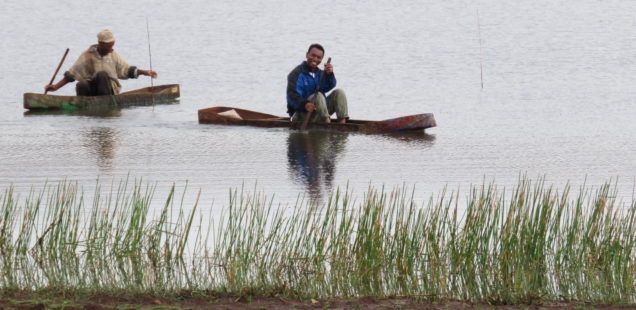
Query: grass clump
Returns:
{"type": "Point", "coordinates": [533, 243]}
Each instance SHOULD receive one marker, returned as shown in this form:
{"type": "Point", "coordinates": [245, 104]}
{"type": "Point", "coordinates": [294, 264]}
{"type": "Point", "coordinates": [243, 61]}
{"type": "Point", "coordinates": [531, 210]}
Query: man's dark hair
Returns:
{"type": "Point", "coordinates": [316, 45]}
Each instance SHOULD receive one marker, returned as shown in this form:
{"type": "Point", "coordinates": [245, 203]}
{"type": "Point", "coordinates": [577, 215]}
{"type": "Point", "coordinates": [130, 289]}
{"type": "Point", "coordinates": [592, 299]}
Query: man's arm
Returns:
{"type": "Point", "coordinates": [149, 73]}
{"type": "Point", "coordinates": [58, 85]}
{"type": "Point", "coordinates": [131, 72]}
{"type": "Point", "coordinates": [126, 71]}
{"type": "Point", "coordinates": [330, 79]}
{"type": "Point", "coordinates": [328, 84]}
{"type": "Point", "coordinates": [294, 91]}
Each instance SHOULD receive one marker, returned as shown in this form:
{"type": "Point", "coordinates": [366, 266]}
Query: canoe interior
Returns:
{"type": "Point", "coordinates": [245, 114]}
{"type": "Point", "coordinates": [250, 118]}
{"type": "Point", "coordinates": [247, 118]}
{"type": "Point", "coordinates": [160, 94]}
{"type": "Point", "coordinates": [167, 89]}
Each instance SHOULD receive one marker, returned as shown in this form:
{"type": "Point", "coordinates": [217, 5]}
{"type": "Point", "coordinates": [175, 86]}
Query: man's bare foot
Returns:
{"type": "Point", "coordinates": [342, 121]}
{"type": "Point", "coordinates": [327, 120]}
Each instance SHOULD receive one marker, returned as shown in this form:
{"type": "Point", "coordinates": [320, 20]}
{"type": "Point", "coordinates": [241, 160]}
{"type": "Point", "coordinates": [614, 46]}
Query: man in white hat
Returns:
{"type": "Point", "coordinates": [98, 70]}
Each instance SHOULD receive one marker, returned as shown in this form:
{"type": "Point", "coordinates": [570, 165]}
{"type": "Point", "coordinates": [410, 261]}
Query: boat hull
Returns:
{"type": "Point", "coordinates": [250, 118]}
{"type": "Point", "coordinates": [140, 97]}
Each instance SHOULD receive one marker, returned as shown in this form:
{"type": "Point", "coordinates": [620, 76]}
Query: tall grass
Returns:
{"type": "Point", "coordinates": [534, 242]}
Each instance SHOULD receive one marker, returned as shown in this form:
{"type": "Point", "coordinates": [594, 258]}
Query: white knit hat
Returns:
{"type": "Point", "coordinates": [105, 36]}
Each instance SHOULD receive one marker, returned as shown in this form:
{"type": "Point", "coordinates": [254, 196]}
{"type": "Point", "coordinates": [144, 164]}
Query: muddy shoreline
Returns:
{"type": "Point", "coordinates": [103, 302]}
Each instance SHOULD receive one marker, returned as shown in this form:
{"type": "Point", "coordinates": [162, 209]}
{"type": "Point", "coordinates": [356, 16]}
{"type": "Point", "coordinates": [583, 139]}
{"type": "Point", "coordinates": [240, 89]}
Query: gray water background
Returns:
{"type": "Point", "coordinates": [558, 98]}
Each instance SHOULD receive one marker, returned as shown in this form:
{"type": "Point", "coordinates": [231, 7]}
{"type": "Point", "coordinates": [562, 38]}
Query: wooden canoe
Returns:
{"type": "Point", "coordinates": [139, 97]}
{"type": "Point", "coordinates": [243, 117]}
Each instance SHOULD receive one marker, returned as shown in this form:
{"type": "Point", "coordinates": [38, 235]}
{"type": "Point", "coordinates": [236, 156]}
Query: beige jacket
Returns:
{"type": "Point", "coordinates": [91, 62]}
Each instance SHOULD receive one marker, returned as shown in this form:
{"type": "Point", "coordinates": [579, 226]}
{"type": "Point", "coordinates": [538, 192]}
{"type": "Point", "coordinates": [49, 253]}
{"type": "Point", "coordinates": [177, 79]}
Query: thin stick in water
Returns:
{"type": "Point", "coordinates": [150, 59]}
{"type": "Point", "coordinates": [481, 66]}
{"type": "Point", "coordinates": [149, 52]}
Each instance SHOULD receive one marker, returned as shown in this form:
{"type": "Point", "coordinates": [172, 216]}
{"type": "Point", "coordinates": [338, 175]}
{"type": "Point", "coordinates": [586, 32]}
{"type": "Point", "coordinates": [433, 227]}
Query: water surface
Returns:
{"type": "Point", "coordinates": [557, 101]}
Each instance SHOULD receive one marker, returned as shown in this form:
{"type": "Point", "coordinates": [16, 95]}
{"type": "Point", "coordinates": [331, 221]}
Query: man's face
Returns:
{"type": "Point", "coordinates": [105, 48]}
{"type": "Point", "coordinates": [314, 58]}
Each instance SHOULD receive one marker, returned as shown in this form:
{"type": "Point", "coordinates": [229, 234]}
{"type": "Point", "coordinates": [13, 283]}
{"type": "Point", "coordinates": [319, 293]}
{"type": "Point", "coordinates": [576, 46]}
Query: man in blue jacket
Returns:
{"type": "Point", "coordinates": [305, 95]}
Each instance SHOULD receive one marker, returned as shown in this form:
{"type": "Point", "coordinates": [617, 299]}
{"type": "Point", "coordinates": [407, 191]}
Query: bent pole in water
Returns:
{"type": "Point", "coordinates": [58, 69]}
{"type": "Point", "coordinates": [481, 57]}
{"type": "Point", "coordinates": [150, 59]}
{"type": "Point", "coordinates": [149, 52]}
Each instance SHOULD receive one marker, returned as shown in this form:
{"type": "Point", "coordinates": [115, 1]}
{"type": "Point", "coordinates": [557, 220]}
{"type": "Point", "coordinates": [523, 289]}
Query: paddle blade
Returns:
{"type": "Point", "coordinates": [306, 121]}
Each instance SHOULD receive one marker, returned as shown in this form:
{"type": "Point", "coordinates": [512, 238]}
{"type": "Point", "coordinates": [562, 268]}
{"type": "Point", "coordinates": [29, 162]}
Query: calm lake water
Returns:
{"type": "Point", "coordinates": [558, 98]}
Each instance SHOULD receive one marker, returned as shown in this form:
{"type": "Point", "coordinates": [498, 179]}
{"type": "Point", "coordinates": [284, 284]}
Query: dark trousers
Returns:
{"type": "Point", "coordinates": [97, 86]}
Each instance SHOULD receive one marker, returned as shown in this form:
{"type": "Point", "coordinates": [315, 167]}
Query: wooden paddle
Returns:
{"type": "Point", "coordinates": [308, 116]}
{"type": "Point", "coordinates": [58, 69]}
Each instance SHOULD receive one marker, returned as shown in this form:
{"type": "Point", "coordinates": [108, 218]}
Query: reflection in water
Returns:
{"type": "Point", "coordinates": [416, 137]}
{"type": "Point", "coordinates": [312, 159]}
{"type": "Point", "coordinates": [102, 142]}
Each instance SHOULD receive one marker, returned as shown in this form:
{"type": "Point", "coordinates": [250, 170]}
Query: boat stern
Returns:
{"type": "Point", "coordinates": [407, 123]}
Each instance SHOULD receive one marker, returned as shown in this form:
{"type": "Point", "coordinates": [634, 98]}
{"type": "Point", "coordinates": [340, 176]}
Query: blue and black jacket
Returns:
{"type": "Point", "coordinates": [301, 85]}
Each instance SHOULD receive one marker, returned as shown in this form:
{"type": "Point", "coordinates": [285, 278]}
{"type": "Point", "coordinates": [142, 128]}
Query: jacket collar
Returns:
{"type": "Point", "coordinates": [93, 49]}
{"type": "Point", "coordinates": [305, 68]}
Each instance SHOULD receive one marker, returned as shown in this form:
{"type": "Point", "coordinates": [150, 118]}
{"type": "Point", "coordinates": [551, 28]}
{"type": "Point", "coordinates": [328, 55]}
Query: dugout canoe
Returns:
{"type": "Point", "coordinates": [241, 117]}
{"type": "Point", "coordinates": [139, 97]}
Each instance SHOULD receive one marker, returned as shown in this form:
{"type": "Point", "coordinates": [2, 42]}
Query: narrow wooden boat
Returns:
{"type": "Point", "coordinates": [235, 116]}
{"type": "Point", "coordinates": [139, 97]}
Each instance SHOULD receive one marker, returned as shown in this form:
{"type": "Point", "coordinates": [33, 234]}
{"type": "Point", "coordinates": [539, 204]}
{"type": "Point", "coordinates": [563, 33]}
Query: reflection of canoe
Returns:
{"type": "Point", "coordinates": [139, 97]}
{"type": "Point", "coordinates": [234, 116]}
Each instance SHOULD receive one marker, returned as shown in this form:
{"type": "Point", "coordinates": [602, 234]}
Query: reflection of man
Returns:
{"type": "Point", "coordinates": [103, 141]}
{"type": "Point", "coordinates": [312, 157]}
{"type": "Point", "coordinates": [98, 70]}
{"type": "Point", "coordinates": [304, 94]}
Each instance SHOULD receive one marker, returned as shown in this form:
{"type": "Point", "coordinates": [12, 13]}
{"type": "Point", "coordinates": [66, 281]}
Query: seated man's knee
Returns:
{"type": "Point", "coordinates": [338, 91]}
{"type": "Point", "coordinates": [82, 88]}
{"type": "Point", "coordinates": [101, 75]}
{"type": "Point", "coordinates": [321, 104]}
{"type": "Point", "coordinates": [101, 83]}
{"type": "Point", "coordinates": [319, 97]}
{"type": "Point", "coordinates": [338, 95]}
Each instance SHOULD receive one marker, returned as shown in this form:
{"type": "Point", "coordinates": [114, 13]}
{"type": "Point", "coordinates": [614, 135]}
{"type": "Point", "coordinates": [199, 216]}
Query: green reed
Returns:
{"type": "Point", "coordinates": [533, 242]}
